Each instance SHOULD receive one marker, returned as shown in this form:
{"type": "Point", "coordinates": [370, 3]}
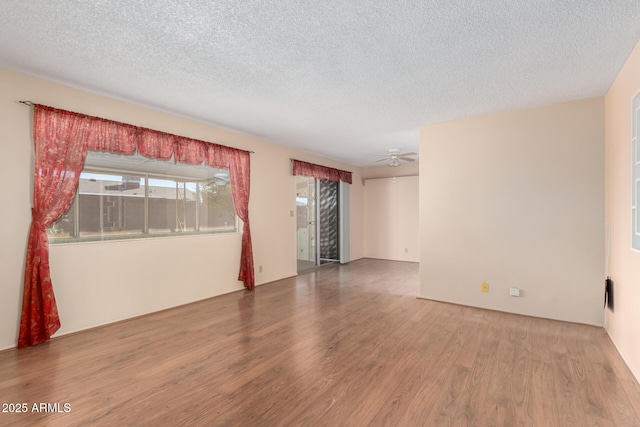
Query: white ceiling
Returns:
{"type": "Point", "coordinates": [346, 79]}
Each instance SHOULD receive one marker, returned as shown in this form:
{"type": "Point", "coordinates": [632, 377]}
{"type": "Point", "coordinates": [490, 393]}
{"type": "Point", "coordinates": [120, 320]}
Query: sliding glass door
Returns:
{"type": "Point", "coordinates": [328, 214]}
{"type": "Point", "coordinates": [306, 222]}
{"type": "Point", "coordinates": [318, 222]}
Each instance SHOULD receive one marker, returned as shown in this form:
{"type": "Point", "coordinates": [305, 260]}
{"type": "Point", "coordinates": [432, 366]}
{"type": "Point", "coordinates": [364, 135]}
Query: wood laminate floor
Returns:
{"type": "Point", "coordinates": [304, 266]}
{"type": "Point", "coordinates": [341, 346]}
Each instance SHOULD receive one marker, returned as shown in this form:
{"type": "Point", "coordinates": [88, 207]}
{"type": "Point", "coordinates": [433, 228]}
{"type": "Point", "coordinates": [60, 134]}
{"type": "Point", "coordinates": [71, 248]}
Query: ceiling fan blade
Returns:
{"type": "Point", "coordinates": [407, 159]}
{"type": "Point", "coordinates": [381, 160]}
{"type": "Point", "coordinates": [407, 154]}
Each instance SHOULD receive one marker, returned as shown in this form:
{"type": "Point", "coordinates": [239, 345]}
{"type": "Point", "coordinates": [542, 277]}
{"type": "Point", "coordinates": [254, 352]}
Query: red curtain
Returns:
{"type": "Point", "coordinates": [239, 173]}
{"type": "Point", "coordinates": [60, 150]}
{"type": "Point", "coordinates": [320, 172]}
{"type": "Point", "coordinates": [61, 140]}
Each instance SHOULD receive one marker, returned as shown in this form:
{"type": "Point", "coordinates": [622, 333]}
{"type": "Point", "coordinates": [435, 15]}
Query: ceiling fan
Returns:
{"type": "Point", "coordinates": [394, 157]}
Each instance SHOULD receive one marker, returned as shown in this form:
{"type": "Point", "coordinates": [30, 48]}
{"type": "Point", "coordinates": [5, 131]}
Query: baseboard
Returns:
{"type": "Point", "coordinates": [510, 312]}
{"type": "Point", "coordinates": [633, 371]}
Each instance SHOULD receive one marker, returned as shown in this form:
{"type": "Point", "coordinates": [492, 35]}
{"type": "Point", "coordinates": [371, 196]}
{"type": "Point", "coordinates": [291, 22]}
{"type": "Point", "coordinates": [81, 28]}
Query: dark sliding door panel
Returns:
{"type": "Point", "coordinates": [328, 207]}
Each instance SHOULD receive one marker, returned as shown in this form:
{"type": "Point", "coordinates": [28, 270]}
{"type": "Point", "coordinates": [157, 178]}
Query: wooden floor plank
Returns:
{"type": "Point", "coordinates": [342, 345]}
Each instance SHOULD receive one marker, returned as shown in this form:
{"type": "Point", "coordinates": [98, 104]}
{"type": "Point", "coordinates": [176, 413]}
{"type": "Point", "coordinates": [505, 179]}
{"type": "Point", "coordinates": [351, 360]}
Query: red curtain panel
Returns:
{"type": "Point", "coordinates": [238, 163]}
{"type": "Point", "coordinates": [320, 172]}
{"type": "Point", "coordinates": [61, 140]}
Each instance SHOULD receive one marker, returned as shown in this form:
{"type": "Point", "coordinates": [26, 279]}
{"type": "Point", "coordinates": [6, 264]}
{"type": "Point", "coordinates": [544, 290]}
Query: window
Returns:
{"type": "Point", "coordinates": [121, 197]}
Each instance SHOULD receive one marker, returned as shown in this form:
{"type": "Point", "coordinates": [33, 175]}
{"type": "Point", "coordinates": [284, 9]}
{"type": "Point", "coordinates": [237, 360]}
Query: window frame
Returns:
{"type": "Point", "coordinates": [145, 234]}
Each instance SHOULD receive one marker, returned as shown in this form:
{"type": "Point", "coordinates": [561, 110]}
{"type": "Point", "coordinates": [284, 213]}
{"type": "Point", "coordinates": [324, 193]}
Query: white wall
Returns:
{"type": "Point", "coordinates": [384, 171]}
{"type": "Point", "coordinates": [97, 283]}
{"type": "Point", "coordinates": [391, 226]}
{"type": "Point", "coordinates": [516, 199]}
{"type": "Point", "coordinates": [623, 323]}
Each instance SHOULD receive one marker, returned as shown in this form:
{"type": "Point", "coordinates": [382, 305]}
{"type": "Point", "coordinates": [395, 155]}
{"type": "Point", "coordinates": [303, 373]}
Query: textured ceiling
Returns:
{"type": "Point", "coordinates": [346, 79]}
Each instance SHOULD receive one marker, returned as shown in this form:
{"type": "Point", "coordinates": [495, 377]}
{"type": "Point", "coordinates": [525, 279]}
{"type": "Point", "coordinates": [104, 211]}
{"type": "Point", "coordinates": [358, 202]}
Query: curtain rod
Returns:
{"type": "Point", "coordinates": [31, 104]}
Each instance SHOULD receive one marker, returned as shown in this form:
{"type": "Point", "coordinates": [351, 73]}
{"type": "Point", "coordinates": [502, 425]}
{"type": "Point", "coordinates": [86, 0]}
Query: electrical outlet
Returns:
{"type": "Point", "coordinates": [484, 287]}
{"type": "Point", "coordinates": [514, 292]}
{"type": "Point", "coordinates": [406, 250]}
{"type": "Point", "coordinates": [260, 269]}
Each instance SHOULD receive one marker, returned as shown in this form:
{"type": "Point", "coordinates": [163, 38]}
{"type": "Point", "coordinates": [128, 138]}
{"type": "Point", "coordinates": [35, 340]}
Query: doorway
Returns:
{"type": "Point", "coordinates": [318, 222]}
{"type": "Point", "coordinates": [306, 222]}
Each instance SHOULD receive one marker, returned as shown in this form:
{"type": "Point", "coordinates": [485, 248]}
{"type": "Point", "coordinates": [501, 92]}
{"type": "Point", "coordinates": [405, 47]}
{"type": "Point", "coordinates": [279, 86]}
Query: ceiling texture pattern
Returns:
{"type": "Point", "coordinates": [345, 79]}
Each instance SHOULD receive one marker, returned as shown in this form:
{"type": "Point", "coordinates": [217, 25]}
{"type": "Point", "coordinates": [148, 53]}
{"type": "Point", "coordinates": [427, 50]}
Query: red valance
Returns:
{"type": "Point", "coordinates": [61, 140]}
{"type": "Point", "coordinates": [320, 172]}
